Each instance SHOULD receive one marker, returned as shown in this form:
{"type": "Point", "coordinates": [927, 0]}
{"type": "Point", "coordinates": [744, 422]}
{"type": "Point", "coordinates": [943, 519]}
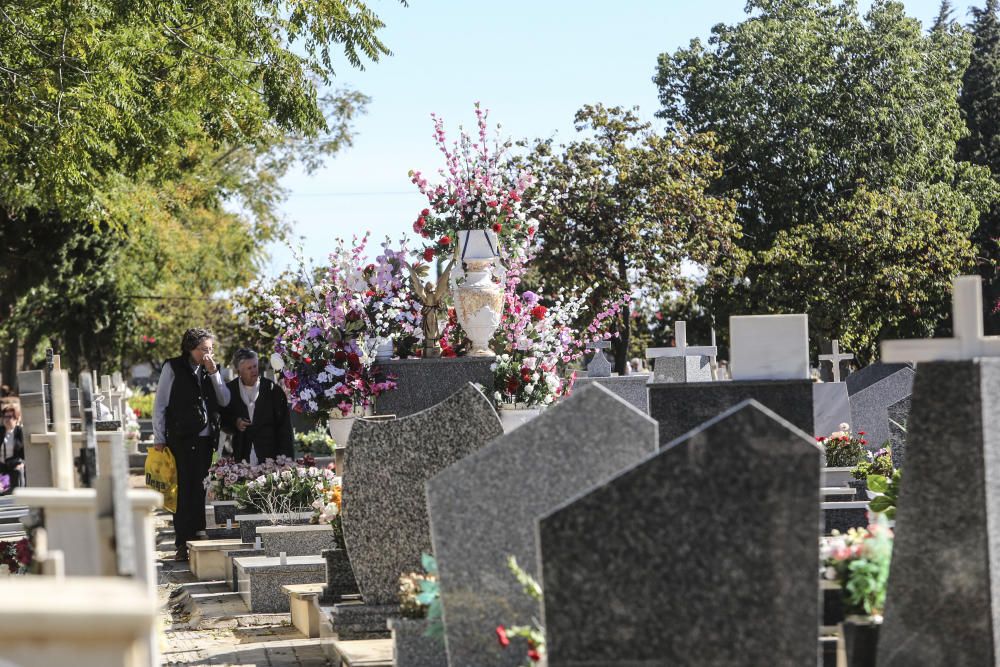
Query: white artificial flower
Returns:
{"type": "Point", "coordinates": [845, 427]}
{"type": "Point", "coordinates": [277, 363]}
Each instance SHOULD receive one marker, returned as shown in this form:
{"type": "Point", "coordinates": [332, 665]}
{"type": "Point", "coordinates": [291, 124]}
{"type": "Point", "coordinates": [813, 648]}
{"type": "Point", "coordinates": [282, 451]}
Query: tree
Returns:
{"type": "Point", "coordinates": [636, 207]}
{"type": "Point", "coordinates": [840, 135]}
{"type": "Point", "coordinates": [980, 104]}
{"type": "Point", "coordinates": [151, 122]}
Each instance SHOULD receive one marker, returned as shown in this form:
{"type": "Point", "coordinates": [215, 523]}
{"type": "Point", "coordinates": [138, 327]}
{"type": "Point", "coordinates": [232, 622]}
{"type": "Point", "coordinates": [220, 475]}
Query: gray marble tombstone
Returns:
{"type": "Point", "coordinates": [869, 405]}
{"type": "Point", "coordinates": [943, 601]}
{"type": "Point", "coordinates": [484, 507]}
{"type": "Point", "coordinates": [898, 414]}
{"type": "Point", "coordinates": [423, 383]}
{"type": "Point", "coordinates": [702, 554]}
{"type": "Point", "coordinates": [631, 388]}
{"type": "Point", "coordinates": [385, 517]}
{"type": "Point", "coordinates": [869, 375]}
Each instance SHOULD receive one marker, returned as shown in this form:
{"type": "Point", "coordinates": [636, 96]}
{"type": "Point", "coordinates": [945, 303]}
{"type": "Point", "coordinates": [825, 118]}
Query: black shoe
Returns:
{"type": "Point", "coordinates": [182, 554]}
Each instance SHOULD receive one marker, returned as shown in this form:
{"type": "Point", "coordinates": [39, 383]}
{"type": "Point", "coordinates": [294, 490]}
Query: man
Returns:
{"type": "Point", "coordinates": [11, 446]}
{"type": "Point", "coordinates": [255, 411]}
{"type": "Point", "coordinates": [185, 419]}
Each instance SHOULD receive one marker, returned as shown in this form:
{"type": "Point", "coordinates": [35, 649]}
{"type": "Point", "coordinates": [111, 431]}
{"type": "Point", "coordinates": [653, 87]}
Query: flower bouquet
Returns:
{"type": "Point", "coordinates": [859, 562]}
{"type": "Point", "coordinates": [17, 556]}
{"type": "Point", "coordinates": [290, 490]}
{"type": "Point", "coordinates": [843, 449]}
{"type": "Point", "coordinates": [227, 477]}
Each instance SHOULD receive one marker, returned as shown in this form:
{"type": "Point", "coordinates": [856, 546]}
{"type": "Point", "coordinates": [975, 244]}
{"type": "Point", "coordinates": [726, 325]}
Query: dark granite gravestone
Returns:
{"type": "Point", "coordinates": [943, 601]}
{"type": "Point", "coordinates": [424, 383]}
{"type": "Point", "coordinates": [869, 405]}
{"type": "Point", "coordinates": [869, 375]}
{"type": "Point", "coordinates": [483, 509]}
{"type": "Point", "coordinates": [679, 408]}
{"type": "Point", "coordinates": [703, 554]}
{"type": "Point", "coordinates": [898, 414]}
{"type": "Point", "coordinates": [385, 518]}
{"type": "Point", "coordinates": [631, 388]}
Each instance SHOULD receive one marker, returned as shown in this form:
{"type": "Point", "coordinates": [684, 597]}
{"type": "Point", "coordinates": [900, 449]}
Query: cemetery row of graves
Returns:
{"type": "Point", "coordinates": [485, 504]}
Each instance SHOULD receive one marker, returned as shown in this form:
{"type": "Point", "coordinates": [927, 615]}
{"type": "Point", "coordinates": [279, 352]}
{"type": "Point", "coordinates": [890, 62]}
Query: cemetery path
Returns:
{"type": "Point", "coordinates": [203, 623]}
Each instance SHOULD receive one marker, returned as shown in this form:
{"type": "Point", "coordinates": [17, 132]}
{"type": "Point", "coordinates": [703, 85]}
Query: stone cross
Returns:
{"type": "Point", "coordinates": [680, 348]}
{"type": "Point", "coordinates": [835, 359]}
{"type": "Point", "coordinates": [967, 323]}
{"type": "Point", "coordinates": [599, 366]}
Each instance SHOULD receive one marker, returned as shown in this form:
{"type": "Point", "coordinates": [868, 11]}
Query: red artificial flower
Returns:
{"type": "Point", "coordinates": [307, 360]}
{"type": "Point", "coordinates": [861, 432]}
{"type": "Point", "coordinates": [451, 201]}
{"type": "Point", "coordinates": [293, 383]}
{"type": "Point", "coordinates": [534, 655]}
{"type": "Point", "coordinates": [424, 213]}
{"type": "Point", "coordinates": [502, 636]}
{"type": "Point", "coordinates": [340, 356]}
{"type": "Point", "coordinates": [512, 384]}
{"type": "Point", "coordinates": [428, 254]}
{"type": "Point", "coordinates": [493, 203]}
{"type": "Point", "coordinates": [538, 312]}
{"type": "Point", "coordinates": [497, 227]}
{"type": "Point", "coordinates": [445, 240]}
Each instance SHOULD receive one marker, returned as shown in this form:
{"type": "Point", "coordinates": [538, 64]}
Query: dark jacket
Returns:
{"type": "Point", "coordinates": [9, 460]}
{"type": "Point", "coordinates": [192, 404]}
{"type": "Point", "coordinates": [270, 433]}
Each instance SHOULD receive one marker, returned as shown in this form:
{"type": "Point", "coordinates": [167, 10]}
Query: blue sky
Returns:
{"type": "Point", "coordinates": [531, 63]}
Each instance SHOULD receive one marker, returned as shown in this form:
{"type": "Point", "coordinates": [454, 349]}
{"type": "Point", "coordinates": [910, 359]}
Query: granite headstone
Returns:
{"type": "Point", "coordinates": [385, 518]}
{"type": "Point", "coordinates": [483, 509]}
{"type": "Point", "coordinates": [869, 375]}
{"type": "Point", "coordinates": [634, 575]}
{"type": "Point", "coordinates": [943, 600]}
{"type": "Point", "coordinates": [679, 408]}
{"type": "Point", "coordinates": [423, 383]}
{"type": "Point", "coordinates": [631, 388]}
{"type": "Point", "coordinates": [869, 405]}
{"type": "Point", "coordinates": [899, 415]}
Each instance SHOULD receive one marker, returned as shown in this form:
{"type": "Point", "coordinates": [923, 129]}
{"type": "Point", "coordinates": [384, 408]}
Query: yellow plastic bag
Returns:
{"type": "Point", "coordinates": [161, 475]}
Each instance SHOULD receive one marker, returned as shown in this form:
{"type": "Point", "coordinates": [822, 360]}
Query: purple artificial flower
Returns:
{"type": "Point", "coordinates": [530, 297]}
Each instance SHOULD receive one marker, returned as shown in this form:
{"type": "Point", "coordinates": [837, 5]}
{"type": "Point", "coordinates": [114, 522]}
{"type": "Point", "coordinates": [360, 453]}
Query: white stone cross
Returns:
{"type": "Point", "coordinates": [680, 348]}
{"type": "Point", "coordinates": [835, 359]}
{"type": "Point", "coordinates": [967, 323]}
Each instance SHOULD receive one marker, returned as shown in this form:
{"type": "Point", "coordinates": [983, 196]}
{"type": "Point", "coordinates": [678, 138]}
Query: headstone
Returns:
{"type": "Point", "coordinates": [599, 366]}
{"type": "Point", "coordinates": [424, 383]}
{"type": "Point", "coordinates": [679, 408]}
{"type": "Point", "coordinates": [943, 600]}
{"type": "Point", "coordinates": [384, 504]}
{"type": "Point", "coordinates": [835, 359]}
{"type": "Point", "coordinates": [899, 415]}
{"type": "Point", "coordinates": [34, 419]}
{"type": "Point", "coordinates": [869, 375]}
{"type": "Point", "coordinates": [831, 407]}
{"type": "Point", "coordinates": [769, 347]}
{"type": "Point", "coordinates": [631, 388]}
{"type": "Point", "coordinates": [869, 406]}
{"type": "Point", "coordinates": [483, 509]}
{"type": "Point", "coordinates": [634, 574]}
{"type": "Point", "coordinates": [681, 363]}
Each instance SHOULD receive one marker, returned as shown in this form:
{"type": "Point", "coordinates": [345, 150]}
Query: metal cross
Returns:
{"type": "Point", "coordinates": [967, 323]}
{"type": "Point", "coordinates": [835, 359]}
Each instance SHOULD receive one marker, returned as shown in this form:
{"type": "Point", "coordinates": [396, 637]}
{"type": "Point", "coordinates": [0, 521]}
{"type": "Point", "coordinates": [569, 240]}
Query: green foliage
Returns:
{"type": "Point", "coordinates": [839, 134]}
{"type": "Point", "coordinates": [980, 105]}
{"type": "Point", "coordinates": [860, 561]}
{"type": "Point", "coordinates": [638, 203]}
{"type": "Point", "coordinates": [881, 464]}
{"type": "Point", "coordinates": [129, 133]}
{"type": "Point", "coordinates": [888, 493]}
{"type": "Point", "coordinates": [143, 403]}
{"type": "Point", "coordinates": [533, 634]}
{"type": "Point", "coordinates": [316, 442]}
{"type": "Point", "coordinates": [430, 597]}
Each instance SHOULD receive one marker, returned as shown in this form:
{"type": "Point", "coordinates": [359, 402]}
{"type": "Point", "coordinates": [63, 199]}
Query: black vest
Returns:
{"type": "Point", "coordinates": [192, 405]}
{"type": "Point", "coordinates": [270, 433]}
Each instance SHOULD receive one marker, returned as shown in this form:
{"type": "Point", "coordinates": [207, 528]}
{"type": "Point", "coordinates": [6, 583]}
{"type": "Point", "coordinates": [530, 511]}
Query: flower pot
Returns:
{"type": "Point", "coordinates": [478, 299]}
{"type": "Point", "coordinates": [340, 426]}
{"type": "Point", "coordinates": [410, 646]}
{"type": "Point", "coordinates": [840, 476]}
{"type": "Point", "coordinates": [513, 415]}
{"type": "Point", "coordinates": [861, 640]}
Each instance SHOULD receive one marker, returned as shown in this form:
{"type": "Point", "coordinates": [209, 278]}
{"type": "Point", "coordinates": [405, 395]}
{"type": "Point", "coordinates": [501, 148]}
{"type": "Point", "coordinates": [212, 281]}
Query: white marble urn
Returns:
{"type": "Point", "coordinates": [478, 298]}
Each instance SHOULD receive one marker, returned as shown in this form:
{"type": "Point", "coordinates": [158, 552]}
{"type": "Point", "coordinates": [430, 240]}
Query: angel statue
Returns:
{"type": "Point", "coordinates": [432, 299]}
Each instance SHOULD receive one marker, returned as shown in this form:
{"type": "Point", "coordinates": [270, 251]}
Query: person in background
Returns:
{"type": "Point", "coordinates": [11, 447]}
{"type": "Point", "coordinates": [186, 419]}
{"type": "Point", "coordinates": [255, 412]}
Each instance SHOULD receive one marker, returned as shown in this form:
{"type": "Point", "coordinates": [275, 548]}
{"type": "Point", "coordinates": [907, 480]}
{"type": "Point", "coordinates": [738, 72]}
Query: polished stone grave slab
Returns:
{"type": "Point", "coordinates": [260, 580]}
{"type": "Point", "coordinates": [304, 540]}
{"type": "Point", "coordinates": [423, 383]}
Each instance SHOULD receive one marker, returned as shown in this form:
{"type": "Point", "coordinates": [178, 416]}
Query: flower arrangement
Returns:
{"type": "Point", "coordinates": [478, 191]}
{"type": "Point", "coordinates": [878, 463]}
{"type": "Point", "coordinates": [316, 442]}
{"type": "Point", "coordinates": [842, 449]}
{"type": "Point", "coordinates": [420, 596]}
{"type": "Point", "coordinates": [227, 476]}
{"type": "Point", "coordinates": [324, 349]}
{"type": "Point", "coordinates": [534, 635]}
{"type": "Point", "coordinates": [859, 561]}
{"type": "Point", "coordinates": [327, 505]}
{"type": "Point", "coordinates": [297, 488]}
{"type": "Point", "coordinates": [17, 556]}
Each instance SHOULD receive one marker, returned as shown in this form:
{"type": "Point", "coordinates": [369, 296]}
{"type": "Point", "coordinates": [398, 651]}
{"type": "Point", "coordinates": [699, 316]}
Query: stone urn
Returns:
{"type": "Point", "coordinates": [412, 648]}
{"type": "Point", "coordinates": [478, 298]}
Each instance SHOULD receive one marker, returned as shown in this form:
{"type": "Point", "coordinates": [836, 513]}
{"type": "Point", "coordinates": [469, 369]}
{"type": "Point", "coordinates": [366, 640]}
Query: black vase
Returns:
{"type": "Point", "coordinates": [861, 642]}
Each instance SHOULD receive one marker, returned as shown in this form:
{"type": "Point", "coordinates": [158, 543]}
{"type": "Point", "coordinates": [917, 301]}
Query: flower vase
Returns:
{"type": "Point", "coordinates": [513, 415]}
{"type": "Point", "coordinates": [340, 426]}
{"type": "Point", "coordinates": [478, 299]}
{"type": "Point", "coordinates": [380, 348]}
{"type": "Point", "coordinates": [861, 640]}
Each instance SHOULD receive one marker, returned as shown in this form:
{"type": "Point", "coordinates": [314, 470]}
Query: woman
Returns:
{"type": "Point", "coordinates": [11, 447]}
